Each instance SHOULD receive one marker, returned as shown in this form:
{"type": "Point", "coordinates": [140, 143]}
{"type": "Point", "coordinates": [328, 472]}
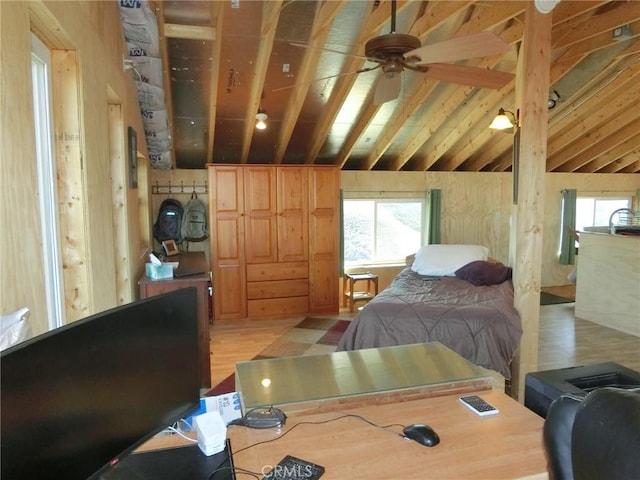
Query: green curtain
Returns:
{"type": "Point", "coordinates": [341, 223]}
{"type": "Point", "coordinates": [433, 200]}
{"type": "Point", "coordinates": [567, 243]}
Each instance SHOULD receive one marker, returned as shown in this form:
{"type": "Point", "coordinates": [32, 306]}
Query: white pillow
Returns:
{"type": "Point", "coordinates": [444, 260]}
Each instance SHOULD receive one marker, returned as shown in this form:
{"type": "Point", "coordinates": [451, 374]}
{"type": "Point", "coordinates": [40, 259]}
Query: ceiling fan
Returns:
{"type": "Point", "coordinates": [394, 52]}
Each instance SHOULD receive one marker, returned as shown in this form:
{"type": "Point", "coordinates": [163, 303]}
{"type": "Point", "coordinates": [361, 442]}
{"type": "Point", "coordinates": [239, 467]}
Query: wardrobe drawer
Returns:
{"type": "Point", "coordinates": [278, 306]}
{"type": "Point", "coordinates": [259, 272]}
{"type": "Point", "coordinates": [278, 288]}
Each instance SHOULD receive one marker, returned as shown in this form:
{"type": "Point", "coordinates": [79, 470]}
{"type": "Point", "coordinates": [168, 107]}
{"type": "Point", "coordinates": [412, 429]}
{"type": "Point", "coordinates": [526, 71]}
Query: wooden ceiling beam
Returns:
{"type": "Point", "coordinates": [371, 26]}
{"type": "Point", "coordinates": [592, 115]}
{"type": "Point", "coordinates": [482, 104]}
{"type": "Point", "coordinates": [605, 40]}
{"type": "Point", "coordinates": [325, 15]}
{"type": "Point", "coordinates": [618, 157]}
{"type": "Point", "coordinates": [405, 112]}
{"type": "Point", "coordinates": [583, 154]}
{"type": "Point", "coordinates": [633, 167]}
{"type": "Point", "coordinates": [622, 14]}
{"type": "Point", "coordinates": [216, 49]}
{"type": "Point", "coordinates": [189, 32]}
{"type": "Point", "coordinates": [270, 15]}
{"type": "Point", "coordinates": [435, 15]}
{"type": "Point", "coordinates": [569, 12]}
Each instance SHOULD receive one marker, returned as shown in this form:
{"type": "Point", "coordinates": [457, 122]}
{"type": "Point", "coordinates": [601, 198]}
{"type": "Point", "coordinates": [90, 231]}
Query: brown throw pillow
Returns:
{"type": "Point", "coordinates": [484, 273]}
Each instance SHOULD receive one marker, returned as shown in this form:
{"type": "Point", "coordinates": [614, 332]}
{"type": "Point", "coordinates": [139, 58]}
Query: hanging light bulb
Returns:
{"type": "Point", "coordinates": [261, 119]}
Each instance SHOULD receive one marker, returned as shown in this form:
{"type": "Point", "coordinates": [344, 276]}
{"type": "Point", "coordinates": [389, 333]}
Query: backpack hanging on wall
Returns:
{"type": "Point", "coordinates": [168, 225]}
{"type": "Point", "coordinates": [194, 220]}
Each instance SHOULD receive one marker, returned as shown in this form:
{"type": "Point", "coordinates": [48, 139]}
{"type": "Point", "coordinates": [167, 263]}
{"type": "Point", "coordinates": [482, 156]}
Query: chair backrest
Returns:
{"type": "Point", "coordinates": [594, 436]}
{"type": "Point", "coordinates": [606, 435]}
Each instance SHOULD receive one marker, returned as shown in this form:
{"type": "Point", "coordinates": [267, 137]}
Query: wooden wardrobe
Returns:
{"type": "Point", "coordinates": [274, 239]}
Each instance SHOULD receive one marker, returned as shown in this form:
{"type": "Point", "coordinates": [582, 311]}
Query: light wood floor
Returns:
{"type": "Point", "coordinates": [564, 341]}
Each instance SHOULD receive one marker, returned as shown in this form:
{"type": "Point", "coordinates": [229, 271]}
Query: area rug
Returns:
{"type": "Point", "coordinates": [550, 299]}
{"type": "Point", "coordinates": [312, 336]}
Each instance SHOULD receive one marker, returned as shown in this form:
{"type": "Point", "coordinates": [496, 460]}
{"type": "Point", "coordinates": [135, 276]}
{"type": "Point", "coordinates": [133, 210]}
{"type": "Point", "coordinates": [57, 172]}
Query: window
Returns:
{"type": "Point", "coordinates": [596, 211]}
{"type": "Point", "coordinates": [40, 77]}
{"type": "Point", "coordinates": [380, 231]}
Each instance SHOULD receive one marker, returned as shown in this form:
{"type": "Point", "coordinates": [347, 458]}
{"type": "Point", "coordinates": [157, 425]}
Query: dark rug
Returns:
{"type": "Point", "coordinates": [312, 336]}
{"type": "Point", "coordinates": [550, 299]}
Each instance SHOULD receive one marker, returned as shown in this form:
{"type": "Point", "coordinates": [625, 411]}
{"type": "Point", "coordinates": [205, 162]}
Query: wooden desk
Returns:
{"type": "Point", "coordinates": [506, 445]}
{"type": "Point", "coordinates": [189, 260]}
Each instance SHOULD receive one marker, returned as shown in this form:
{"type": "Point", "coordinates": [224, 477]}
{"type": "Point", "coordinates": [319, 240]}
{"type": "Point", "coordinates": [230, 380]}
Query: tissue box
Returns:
{"type": "Point", "coordinates": [158, 272]}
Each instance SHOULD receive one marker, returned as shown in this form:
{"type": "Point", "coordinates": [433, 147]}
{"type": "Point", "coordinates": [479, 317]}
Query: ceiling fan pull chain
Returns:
{"type": "Point", "coordinates": [393, 16]}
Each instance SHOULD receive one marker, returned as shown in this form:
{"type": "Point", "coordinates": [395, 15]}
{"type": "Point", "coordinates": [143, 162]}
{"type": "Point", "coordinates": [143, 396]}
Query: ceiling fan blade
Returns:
{"type": "Point", "coordinates": [323, 49]}
{"type": "Point", "coordinates": [362, 70]}
{"type": "Point", "coordinates": [387, 88]}
{"type": "Point", "coordinates": [480, 44]}
{"type": "Point", "coordinates": [464, 75]}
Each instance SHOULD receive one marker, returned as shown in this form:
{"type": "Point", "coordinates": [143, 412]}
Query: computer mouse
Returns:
{"type": "Point", "coordinates": [423, 434]}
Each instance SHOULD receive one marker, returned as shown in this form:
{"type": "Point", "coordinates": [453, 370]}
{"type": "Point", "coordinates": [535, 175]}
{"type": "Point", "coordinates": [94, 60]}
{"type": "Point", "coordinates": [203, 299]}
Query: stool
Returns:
{"type": "Point", "coordinates": [348, 288]}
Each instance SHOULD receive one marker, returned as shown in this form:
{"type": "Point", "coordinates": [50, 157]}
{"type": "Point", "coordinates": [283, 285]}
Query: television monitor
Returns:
{"type": "Point", "coordinates": [79, 398]}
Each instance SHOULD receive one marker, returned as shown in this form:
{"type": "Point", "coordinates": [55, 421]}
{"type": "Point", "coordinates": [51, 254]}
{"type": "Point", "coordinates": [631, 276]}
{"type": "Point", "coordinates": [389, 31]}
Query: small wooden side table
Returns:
{"type": "Point", "coordinates": [352, 296]}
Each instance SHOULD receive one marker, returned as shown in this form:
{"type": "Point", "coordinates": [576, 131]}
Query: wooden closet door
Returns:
{"type": "Point", "coordinates": [226, 217]}
{"type": "Point", "coordinates": [260, 219]}
{"type": "Point", "coordinates": [324, 188]}
{"type": "Point", "coordinates": [293, 223]}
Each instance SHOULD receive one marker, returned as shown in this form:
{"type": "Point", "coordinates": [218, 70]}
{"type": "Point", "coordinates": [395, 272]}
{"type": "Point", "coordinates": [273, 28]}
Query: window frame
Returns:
{"type": "Point", "coordinates": [385, 197]}
{"type": "Point", "coordinates": [602, 197]}
{"type": "Point", "coordinates": [47, 181]}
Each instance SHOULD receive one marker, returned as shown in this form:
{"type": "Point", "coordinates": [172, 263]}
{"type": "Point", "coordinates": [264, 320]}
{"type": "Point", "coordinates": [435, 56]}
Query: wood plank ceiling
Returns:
{"type": "Point", "coordinates": [225, 60]}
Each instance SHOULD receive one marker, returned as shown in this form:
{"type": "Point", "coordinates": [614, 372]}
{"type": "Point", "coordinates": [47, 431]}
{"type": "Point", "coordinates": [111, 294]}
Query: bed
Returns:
{"type": "Point", "coordinates": [478, 321]}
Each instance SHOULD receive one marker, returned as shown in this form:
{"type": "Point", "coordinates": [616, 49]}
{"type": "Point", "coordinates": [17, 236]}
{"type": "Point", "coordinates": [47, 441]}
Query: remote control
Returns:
{"type": "Point", "coordinates": [478, 405]}
{"type": "Point", "coordinates": [292, 468]}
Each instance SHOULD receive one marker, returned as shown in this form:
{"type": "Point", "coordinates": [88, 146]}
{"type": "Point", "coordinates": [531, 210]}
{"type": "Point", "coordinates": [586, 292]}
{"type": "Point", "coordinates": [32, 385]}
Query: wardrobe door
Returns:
{"type": "Point", "coordinates": [226, 217]}
{"type": "Point", "coordinates": [260, 215]}
{"type": "Point", "coordinates": [324, 187]}
{"type": "Point", "coordinates": [292, 214]}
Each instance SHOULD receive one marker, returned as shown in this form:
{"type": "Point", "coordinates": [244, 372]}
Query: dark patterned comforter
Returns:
{"type": "Point", "coordinates": [478, 322]}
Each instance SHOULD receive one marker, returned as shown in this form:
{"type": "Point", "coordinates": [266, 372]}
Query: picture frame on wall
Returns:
{"type": "Point", "coordinates": [132, 144]}
{"type": "Point", "coordinates": [515, 167]}
{"type": "Point", "coordinates": [170, 248]}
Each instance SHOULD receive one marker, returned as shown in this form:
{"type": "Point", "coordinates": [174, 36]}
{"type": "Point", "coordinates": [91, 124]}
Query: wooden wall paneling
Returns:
{"type": "Point", "coordinates": [532, 93]}
{"type": "Point", "coordinates": [21, 281]}
{"type": "Point", "coordinates": [71, 187]}
{"type": "Point", "coordinates": [226, 219]}
{"type": "Point", "coordinates": [119, 187]}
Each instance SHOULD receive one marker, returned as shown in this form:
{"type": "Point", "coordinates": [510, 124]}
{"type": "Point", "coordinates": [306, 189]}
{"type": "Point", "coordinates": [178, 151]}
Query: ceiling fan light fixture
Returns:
{"type": "Point", "coordinates": [261, 120]}
{"type": "Point", "coordinates": [501, 121]}
{"type": "Point", "coordinates": [545, 6]}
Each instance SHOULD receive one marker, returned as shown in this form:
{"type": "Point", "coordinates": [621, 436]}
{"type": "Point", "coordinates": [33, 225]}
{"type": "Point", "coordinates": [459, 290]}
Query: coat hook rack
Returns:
{"type": "Point", "coordinates": [168, 188]}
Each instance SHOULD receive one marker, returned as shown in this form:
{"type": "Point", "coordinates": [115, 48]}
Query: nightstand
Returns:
{"type": "Point", "coordinates": [352, 296]}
